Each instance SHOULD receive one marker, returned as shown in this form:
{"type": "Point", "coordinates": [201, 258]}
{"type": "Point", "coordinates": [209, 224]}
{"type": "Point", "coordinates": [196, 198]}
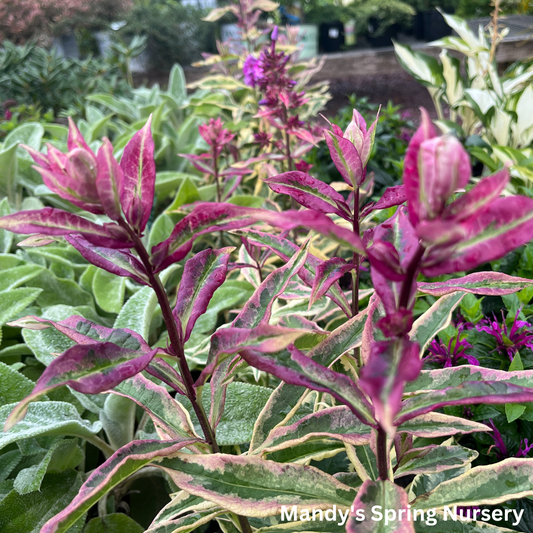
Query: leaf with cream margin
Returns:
{"type": "Point", "coordinates": [295, 368]}
{"type": "Point", "coordinates": [251, 486]}
{"type": "Point", "coordinates": [211, 217]}
{"type": "Point", "coordinates": [87, 368]}
{"type": "Point", "coordinates": [432, 425]}
{"type": "Point", "coordinates": [483, 283]}
{"type": "Point", "coordinates": [285, 397]}
{"type": "Point", "coordinates": [310, 192]}
{"type": "Point", "coordinates": [121, 465]}
{"type": "Point", "coordinates": [390, 497]}
{"type": "Point", "coordinates": [443, 378]}
{"type": "Point", "coordinates": [433, 458]}
{"type": "Point", "coordinates": [434, 320]}
{"type": "Point", "coordinates": [230, 341]}
{"type": "Point", "coordinates": [482, 485]}
{"type": "Point", "coordinates": [138, 182]}
{"type": "Point", "coordinates": [468, 393]}
{"type": "Point", "coordinates": [169, 416]}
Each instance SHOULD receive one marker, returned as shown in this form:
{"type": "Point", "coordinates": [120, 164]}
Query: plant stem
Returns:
{"type": "Point", "coordinates": [101, 445]}
{"type": "Point", "coordinates": [356, 273]}
{"type": "Point", "coordinates": [383, 467]}
{"type": "Point", "coordinates": [176, 346]}
{"type": "Point", "coordinates": [410, 276]}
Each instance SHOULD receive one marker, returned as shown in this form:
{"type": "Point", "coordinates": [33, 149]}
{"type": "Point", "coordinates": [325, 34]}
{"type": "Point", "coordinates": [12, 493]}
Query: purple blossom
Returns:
{"type": "Point", "coordinates": [501, 449]}
{"type": "Point", "coordinates": [508, 341]}
{"type": "Point", "coordinates": [252, 71]}
{"type": "Point", "coordinates": [449, 354]}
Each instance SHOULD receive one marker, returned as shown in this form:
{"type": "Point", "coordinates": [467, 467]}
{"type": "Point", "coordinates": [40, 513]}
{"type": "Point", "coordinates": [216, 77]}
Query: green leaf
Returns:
{"type": "Point", "coordinates": [138, 311]}
{"type": "Point", "coordinates": [46, 418]}
{"type": "Point", "coordinates": [254, 487]}
{"type": "Point", "coordinates": [118, 420]}
{"type": "Point", "coordinates": [14, 301]}
{"type": "Point", "coordinates": [434, 458]}
{"type": "Point", "coordinates": [243, 404]}
{"type": "Point", "coordinates": [55, 291]}
{"type": "Point", "coordinates": [8, 462]}
{"type": "Point", "coordinates": [6, 237]}
{"type": "Point", "coordinates": [187, 194]}
{"type": "Point", "coordinates": [14, 277]}
{"type": "Point", "coordinates": [160, 230]}
{"type": "Point", "coordinates": [246, 200]}
{"type": "Point", "coordinates": [177, 85]}
{"type": "Point", "coordinates": [123, 109]}
{"type": "Point", "coordinates": [13, 385]}
{"type": "Point", "coordinates": [113, 523]}
{"type": "Point", "coordinates": [435, 319]}
{"type": "Point", "coordinates": [8, 171]}
{"type": "Point", "coordinates": [29, 512]}
{"type": "Point", "coordinates": [30, 479]}
{"type": "Point", "coordinates": [109, 290]}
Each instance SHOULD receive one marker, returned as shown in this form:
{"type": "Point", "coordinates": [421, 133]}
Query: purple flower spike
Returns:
{"type": "Point", "coordinates": [522, 452]}
{"type": "Point", "coordinates": [252, 71]}
{"type": "Point", "coordinates": [501, 449]}
{"type": "Point", "coordinates": [275, 33]}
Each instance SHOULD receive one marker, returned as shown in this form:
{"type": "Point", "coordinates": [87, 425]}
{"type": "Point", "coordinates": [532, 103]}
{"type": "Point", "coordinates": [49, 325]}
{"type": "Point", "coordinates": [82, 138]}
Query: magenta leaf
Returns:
{"type": "Point", "coordinates": [504, 226]}
{"type": "Point", "coordinates": [87, 368]}
{"type": "Point", "coordinates": [467, 393]}
{"type": "Point", "coordinates": [484, 283]}
{"type": "Point", "coordinates": [390, 365]}
{"type": "Point", "coordinates": [72, 176]}
{"type": "Point", "coordinates": [346, 158]}
{"type": "Point", "coordinates": [444, 167]}
{"type": "Point", "coordinates": [206, 218]}
{"type": "Point", "coordinates": [83, 331]}
{"type": "Point", "coordinates": [479, 198]}
{"type": "Point", "coordinates": [392, 197]}
{"type": "Point", "coordinates": [295, 368]}
{"type": "Point", "coordinates": [202, 276]}
{"type": "Point", "coordinates": [138, 166]}
{"type": "Point", "coordinates": [328, 273]}
{"type": "Point", "coordinates": [75, 138]}
{"type": "Point", "coordinates": [123, 463]}
{"type": "Point", "coordinates": [51, 221]}
{"type": "Point", "coordinates": [109, 180]}
{"type": "Point", "coordinates": [119, 262]}
{"type": "Point", "coordinates": [230, 341]}
{"type": "Point", "coordinates": [310, 192]}
{"type": "Point", "coordinates": [411, 177]}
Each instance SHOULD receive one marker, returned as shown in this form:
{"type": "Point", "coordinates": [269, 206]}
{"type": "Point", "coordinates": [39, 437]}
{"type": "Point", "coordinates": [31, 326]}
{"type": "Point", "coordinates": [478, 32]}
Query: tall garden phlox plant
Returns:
{"type": "Point", "coordinates": [385, 401]}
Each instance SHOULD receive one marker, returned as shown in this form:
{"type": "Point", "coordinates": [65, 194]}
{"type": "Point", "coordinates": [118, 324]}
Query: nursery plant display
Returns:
{"type": "Point", "coordinates": [202, 331]}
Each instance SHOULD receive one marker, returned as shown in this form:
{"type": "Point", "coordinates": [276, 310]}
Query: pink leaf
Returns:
{"type": "Point", "coordinates": [138, 166]}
